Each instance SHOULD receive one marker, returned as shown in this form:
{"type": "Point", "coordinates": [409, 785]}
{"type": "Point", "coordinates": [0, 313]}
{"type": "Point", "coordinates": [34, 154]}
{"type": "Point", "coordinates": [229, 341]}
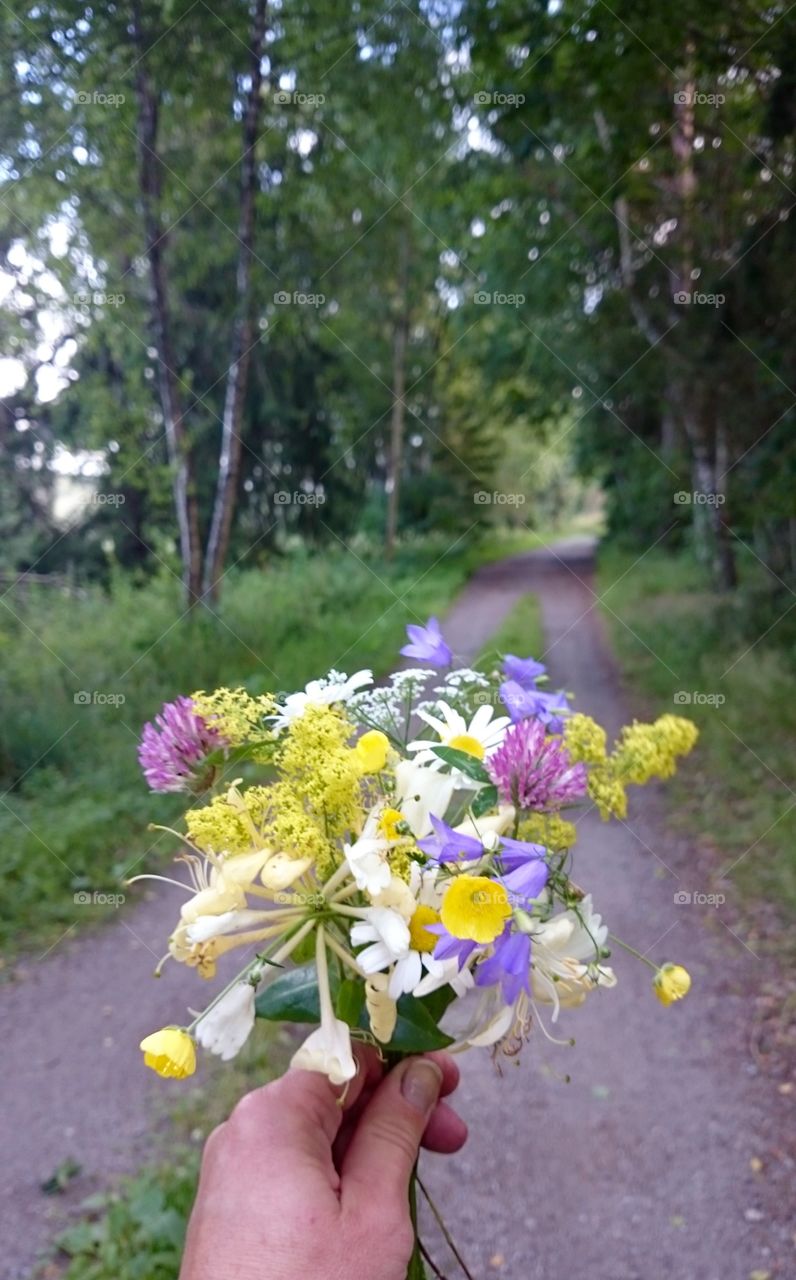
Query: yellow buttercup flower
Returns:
{"type": "Point", "coordinates": [372, 750]}
{"type": "Point", "coordinates": [170, 1052]}
{"type": "Point", "coordinates": [671, 983]}
{"type": "Point", "coordinates": [475, 907]}
{"type": "Point", "coordinates": [419, 936]}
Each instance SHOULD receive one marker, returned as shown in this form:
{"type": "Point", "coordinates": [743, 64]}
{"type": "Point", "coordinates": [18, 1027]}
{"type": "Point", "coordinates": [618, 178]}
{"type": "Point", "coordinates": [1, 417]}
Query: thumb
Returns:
{"type": "Point", "coordinates": [384, 1149]}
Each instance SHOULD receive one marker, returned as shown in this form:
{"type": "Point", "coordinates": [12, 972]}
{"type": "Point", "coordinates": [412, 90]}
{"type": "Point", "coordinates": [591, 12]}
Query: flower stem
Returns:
{"type": "Point", "coordinates": [444, 1230]}
{"type": "Point", "coordinates": [416, 1270]}
{"type": "Point", "coordinates": [626, 947]}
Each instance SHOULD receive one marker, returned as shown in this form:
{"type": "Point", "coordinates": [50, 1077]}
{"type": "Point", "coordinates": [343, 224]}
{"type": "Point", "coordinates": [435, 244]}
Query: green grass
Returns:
{"type": "Point", "coordinates": [674, 635]}
{"type": "Point", "coordinates": [136, 1230]}
{"type": "Point", "coordinates": [520, 633]}
{"type": "Point", "coordinates": [75, 809]}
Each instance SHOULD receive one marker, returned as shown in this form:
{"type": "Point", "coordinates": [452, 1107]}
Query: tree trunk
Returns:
{"type": "Point", "coordinates": [149, 178]}
{"type": "Point", "coordinates": [725, 567]}
{"type": "Point", "coordinates": [238, 372]}
{"type": "Point", "coordinates": [398, 415]}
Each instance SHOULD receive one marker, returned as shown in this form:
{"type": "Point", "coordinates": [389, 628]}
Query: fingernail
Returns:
{"type": "Point", "coordinates": [421, 1083]}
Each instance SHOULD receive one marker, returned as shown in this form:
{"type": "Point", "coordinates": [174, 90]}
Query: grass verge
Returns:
{"type": "Point", "coordinates": [707, 656]}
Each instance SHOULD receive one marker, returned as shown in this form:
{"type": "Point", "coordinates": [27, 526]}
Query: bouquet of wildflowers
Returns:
{"type": "Point", "coordinates": [395, 861]}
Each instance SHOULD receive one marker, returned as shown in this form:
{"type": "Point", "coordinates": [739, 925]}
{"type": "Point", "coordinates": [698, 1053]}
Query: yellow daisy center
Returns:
{"type": "Point", "coordinates": [388, 823]}
{"type": "Point", "coordinates": [475, 907]}
{"type": "Point", "coordinates": [420, 937]}
{"type": "Point", "coordinates": [466, 742]}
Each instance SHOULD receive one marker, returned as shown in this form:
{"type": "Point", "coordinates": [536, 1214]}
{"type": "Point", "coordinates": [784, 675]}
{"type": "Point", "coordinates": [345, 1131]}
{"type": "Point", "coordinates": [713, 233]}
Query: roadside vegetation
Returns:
{"type": "Point", "coordinates": [727, 662]}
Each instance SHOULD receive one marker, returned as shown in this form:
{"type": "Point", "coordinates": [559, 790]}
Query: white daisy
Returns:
{"type": "Point", "coordinates": [336, 687]}
{"type": "Point", "coordinates": [479, 738]}
{"type": "Point", "coordinates": [565, 958]}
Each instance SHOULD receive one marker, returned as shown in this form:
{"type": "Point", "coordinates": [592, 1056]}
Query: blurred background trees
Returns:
{"type": "Point", "coordinates": [275, 273]}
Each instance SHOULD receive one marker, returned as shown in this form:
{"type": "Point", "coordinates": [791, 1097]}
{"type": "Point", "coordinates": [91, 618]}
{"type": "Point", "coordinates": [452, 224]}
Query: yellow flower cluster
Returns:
{"type": "Point", "coordinates": [549, 829]}
{"type": "Point", "coordinates": [646, 751]}
{"type": "Point", "coordinates": [315, 759]}
{"type": "Point", "coordinates": [642, 752]}
{"type": "Point", "coordinates": [606, 791]}
{"type": "Point", "coordinates": [232, 823]}
{"type": "Point", "coordinates": [291, 828]}
{"type": "Point", "coordinates": [235, 713]}
{"type": "Point", "coordinates": [585, 739]}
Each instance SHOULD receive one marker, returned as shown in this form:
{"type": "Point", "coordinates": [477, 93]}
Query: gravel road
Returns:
{"type": "Point", "coordinates": [642, 1168]}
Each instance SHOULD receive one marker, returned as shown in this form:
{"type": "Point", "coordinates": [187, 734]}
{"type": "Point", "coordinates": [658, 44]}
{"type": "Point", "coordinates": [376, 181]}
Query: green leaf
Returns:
{"type": "Point", "coordinates": [485, 800]}
{"type": "Point", "coordinates": [436, 1002]}
{"type": "Point", "coordinates": [292, 997]}
{"type": "Point", "coordinates": [416, 1030]}
{"type": "Point", "coordinates": [350, 1001]}
{"type": "Point", "coordinates": [463, 761]}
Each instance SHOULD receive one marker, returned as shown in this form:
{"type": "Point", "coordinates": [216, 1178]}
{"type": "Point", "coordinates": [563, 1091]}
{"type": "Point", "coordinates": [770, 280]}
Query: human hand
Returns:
{"type": "Point", "coordinates": [295, 1186]}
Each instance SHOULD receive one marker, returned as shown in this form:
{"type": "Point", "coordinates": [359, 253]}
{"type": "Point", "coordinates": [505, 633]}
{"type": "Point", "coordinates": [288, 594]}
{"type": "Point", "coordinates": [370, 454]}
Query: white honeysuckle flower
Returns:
{"type": "Point", "coordinates": [388, 935]}
{"type": "Point", "coordinates": [226, 1026]}
{"type": "Point", "coordinates": [382, 1008]}
{"type": "Point", "coordinates": [206, 927]}
{"type": "Point", "coordinates": [219, 897]}
{"type": "Point", "coordinates": [328, 1049]}
{"type": "Point", "coordinates": [335, 687]}
{"type": "Point", "coordinates": [479, 738]}
{"type": "Point", "coordinates": [421, 791]}
{"type": "Point", "coordinates": [244, 868]}
{"type": "Point", "coordinates": [280, 871]}
{"type": "Point", "coordinates": [565, 964]}
{"type": "Point", "coordinates": [367, 858]}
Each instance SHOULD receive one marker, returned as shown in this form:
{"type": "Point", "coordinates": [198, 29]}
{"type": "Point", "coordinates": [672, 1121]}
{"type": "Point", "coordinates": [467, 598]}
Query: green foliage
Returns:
{"type": "Point", "coordinates": [681, 637]}
{"type": "Point", "coordinates": [75, 816]}
{"type": "Point", "coordinates": [140, 1231]}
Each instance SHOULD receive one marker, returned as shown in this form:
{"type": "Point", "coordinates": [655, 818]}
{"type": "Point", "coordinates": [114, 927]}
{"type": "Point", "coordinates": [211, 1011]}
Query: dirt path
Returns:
{"type": "Point", "coordinates": [637, 1170]}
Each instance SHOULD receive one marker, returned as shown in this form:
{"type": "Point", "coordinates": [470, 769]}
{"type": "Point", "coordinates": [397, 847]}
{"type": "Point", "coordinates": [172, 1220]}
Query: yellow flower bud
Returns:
{"type": "Point", "coordinates": [372, 750]}
{"type": "Point", "coordinates": [671, 983]}
{"type": "Point", "coordinates": [170, 1052]}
